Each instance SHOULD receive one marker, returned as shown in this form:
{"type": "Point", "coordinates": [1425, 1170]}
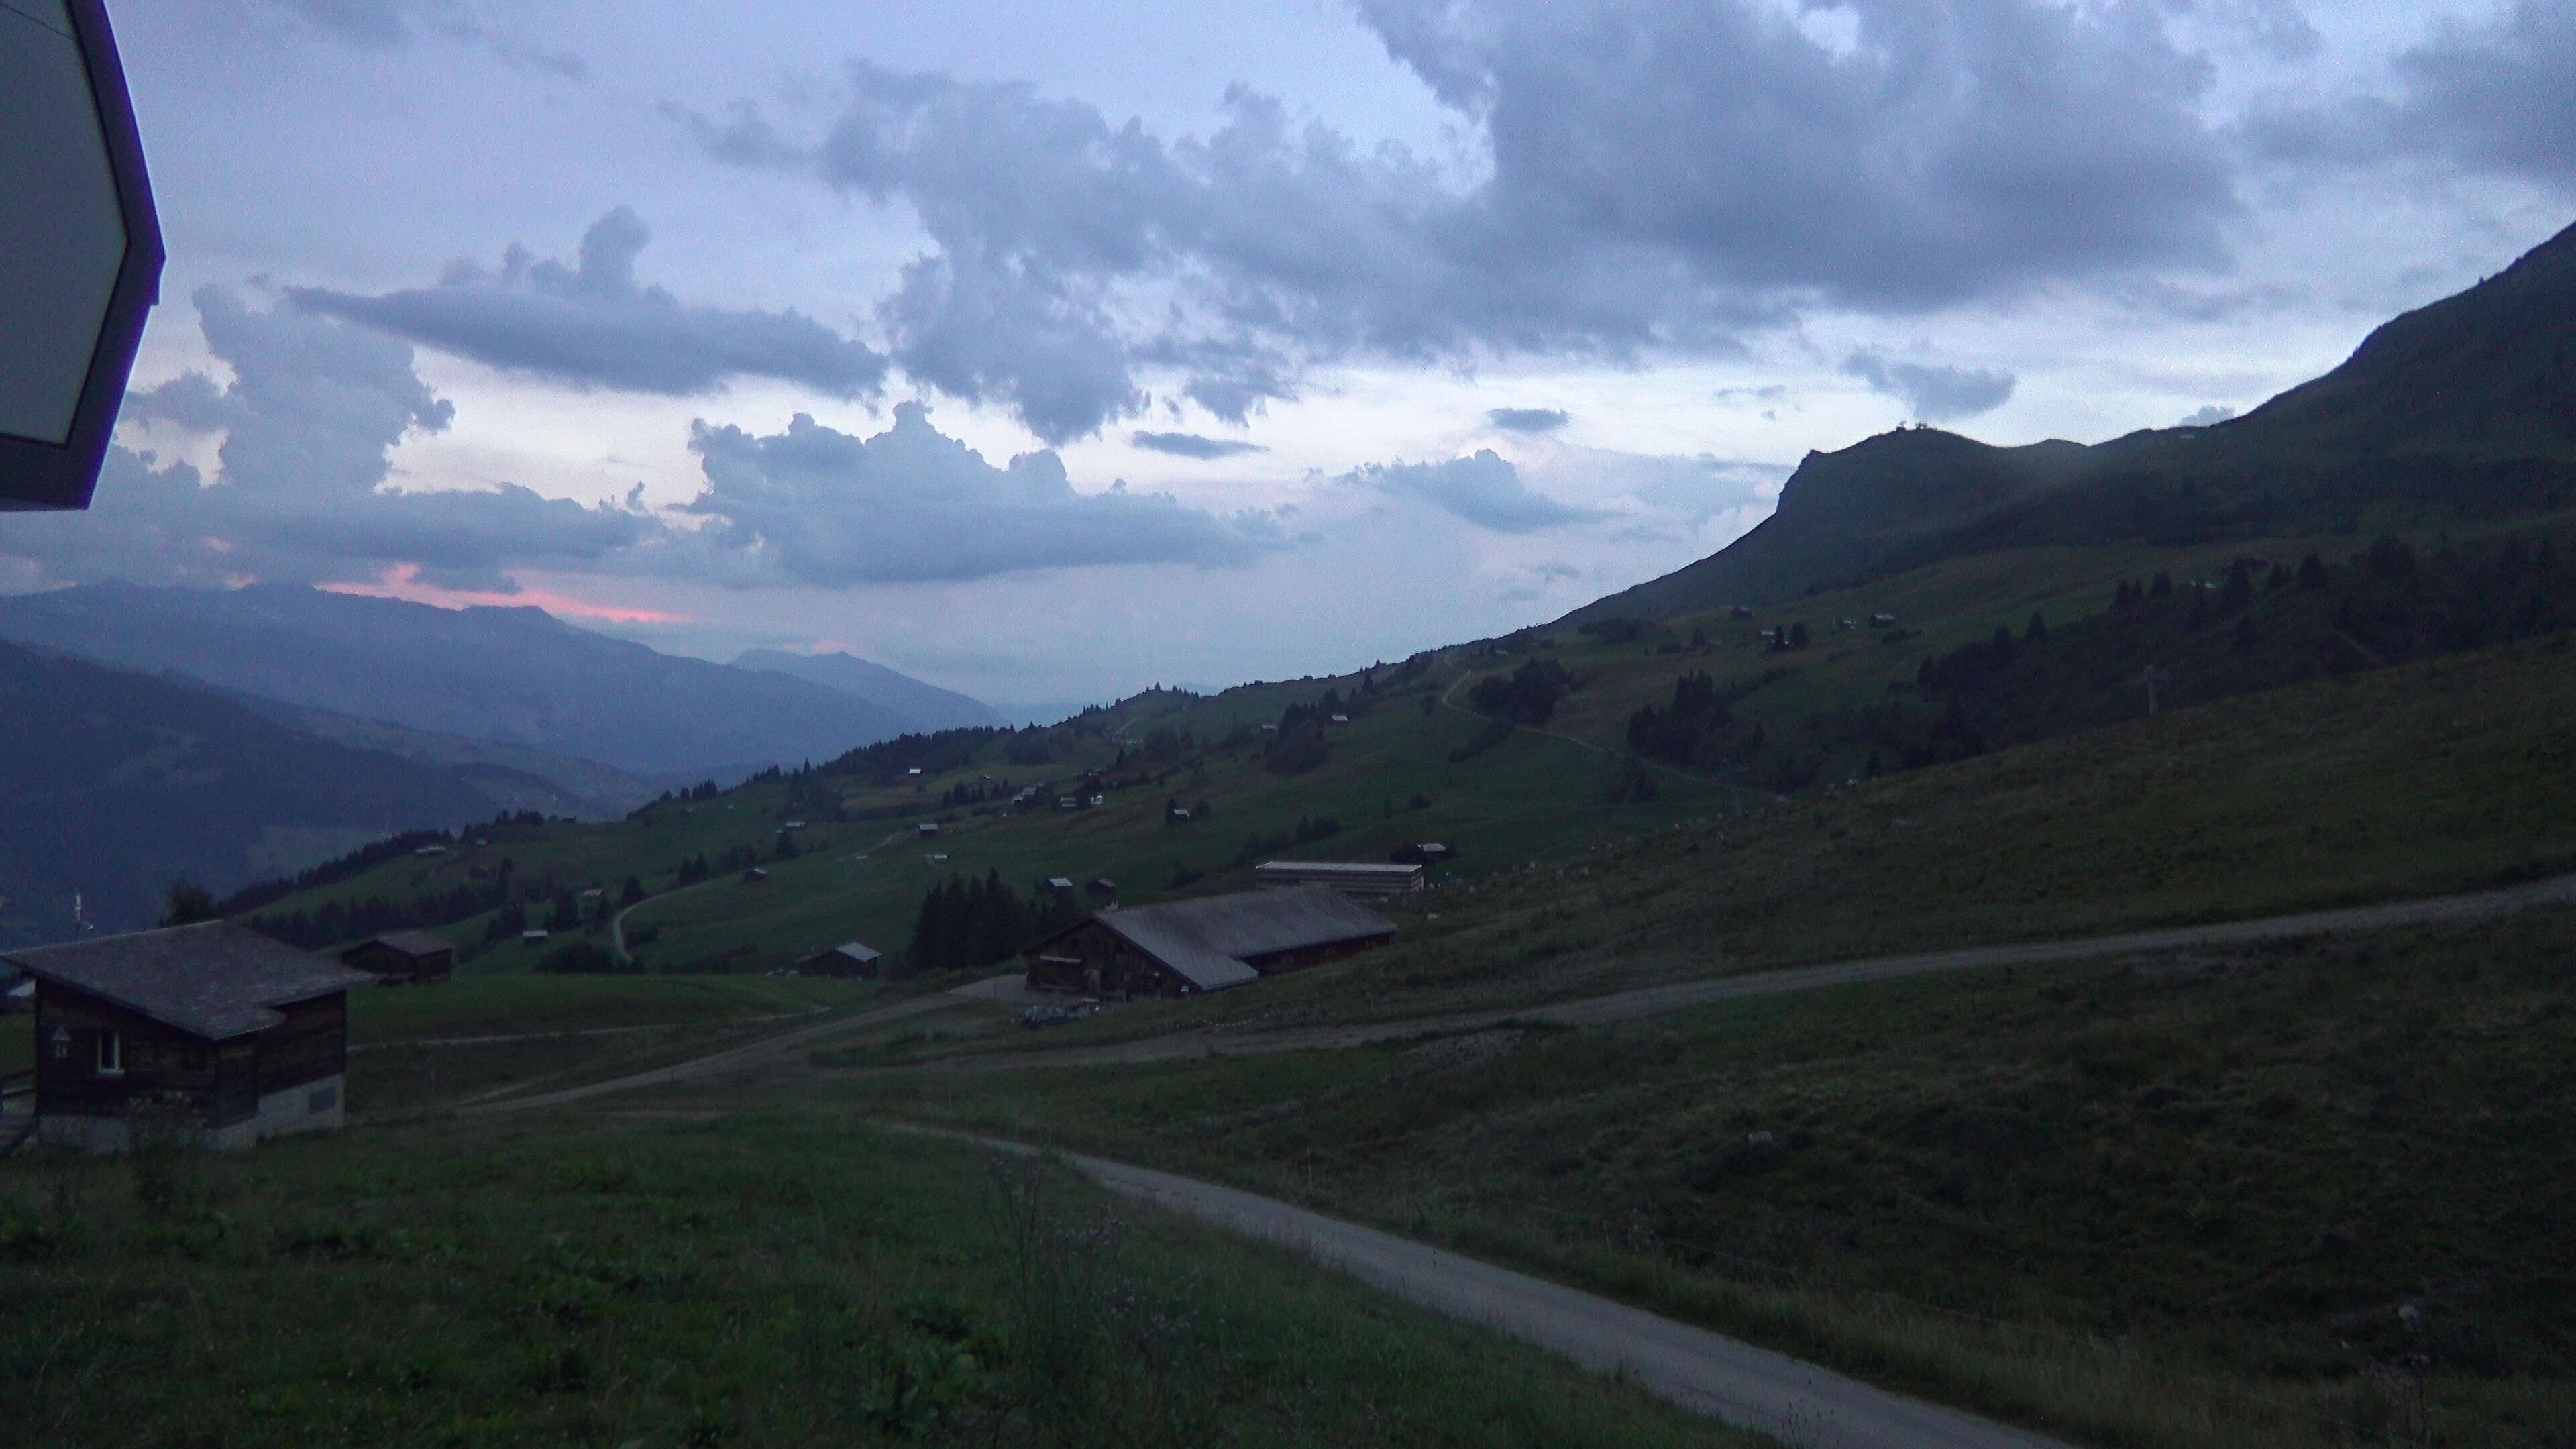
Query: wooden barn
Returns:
{"type": "Point", "coordinates": [1351, 877]}
{"type": "Point", "coordinates": [218, 1031]}
{"type": "Point", "coordinates": [849, 958]}
{"type": "Point", "coordinates": [1211, 944]}
{"type": "Point", "coordinates": [398, 958]}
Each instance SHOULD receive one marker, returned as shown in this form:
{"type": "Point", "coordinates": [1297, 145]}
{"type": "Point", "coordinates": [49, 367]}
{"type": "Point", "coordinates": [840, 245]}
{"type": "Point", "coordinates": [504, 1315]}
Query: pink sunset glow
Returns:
{"type": "Point", "coordinates": [403, 582]}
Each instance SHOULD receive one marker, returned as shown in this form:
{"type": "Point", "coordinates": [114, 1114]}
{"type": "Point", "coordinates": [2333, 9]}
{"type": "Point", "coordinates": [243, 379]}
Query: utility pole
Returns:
{"type": "Point", "coordinates": [2151, 679]}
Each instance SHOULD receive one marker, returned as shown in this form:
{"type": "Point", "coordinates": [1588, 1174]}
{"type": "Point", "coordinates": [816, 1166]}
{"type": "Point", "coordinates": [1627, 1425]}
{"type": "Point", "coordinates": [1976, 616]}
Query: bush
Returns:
{"type": "Point", "coordinates": [1294, 754]}
{"type": "Point", "coordinates": [1528, 695]}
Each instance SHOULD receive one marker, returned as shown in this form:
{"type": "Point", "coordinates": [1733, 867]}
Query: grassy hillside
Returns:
{"type": "Point", "coordinates": [1416, 763]}
{"type": "Point", "coordinates": [2224, 1199]}
{"type": "Point", "coordinates": [661, 1280]}
{"type": "Point", "coordinates": [2450, 775]}
{"type": "Point", "coordinates": [1384, 780]}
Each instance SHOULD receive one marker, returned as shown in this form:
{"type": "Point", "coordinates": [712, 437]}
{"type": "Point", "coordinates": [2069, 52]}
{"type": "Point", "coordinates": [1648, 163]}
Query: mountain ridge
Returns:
{"type": "Point", "coordinates": [512, 676]}
{"type": "Point", "coordinates": [2456, 409]}
{"type": "Point", "coordinates": [927, 706]}
{"type": "Point", "coordinates": [166, 781]}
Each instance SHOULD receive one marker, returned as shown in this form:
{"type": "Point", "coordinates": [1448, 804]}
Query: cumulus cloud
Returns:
{"type": "Point", "coordinates": [1932, 393]}
{"type": "Point", "coordinates": [590, 324]}
{"type": "Point", "coordinates": [2209, 415]}
{"type": "Point", "coordinates": [1653, 177]}
{"type": "Point", "coordinates": [1191, 445]}
{"type": "Point", "coordinates": [1527, 420]}
{"type": "Point", "coordinates": [309, 420]}
{"type": "Point", "coordinates": [981, 330]}
{"type": "Point", "coordinates": [1486, 490]}
{"type": "Point", "coordinates": [302, 493]}
{"type": "Point", "coordinates": [816, 506]}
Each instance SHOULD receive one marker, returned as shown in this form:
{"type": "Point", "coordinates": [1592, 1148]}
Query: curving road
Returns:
{"type": "Point", "coordinates": [1705, 1372]}
{"type": "Point", "coordinates": [1652, 1001]}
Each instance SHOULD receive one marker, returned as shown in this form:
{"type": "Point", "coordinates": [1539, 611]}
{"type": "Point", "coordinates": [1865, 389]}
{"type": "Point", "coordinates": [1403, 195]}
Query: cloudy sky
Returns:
{"type": "Point", "coordinates": [1047, 351]}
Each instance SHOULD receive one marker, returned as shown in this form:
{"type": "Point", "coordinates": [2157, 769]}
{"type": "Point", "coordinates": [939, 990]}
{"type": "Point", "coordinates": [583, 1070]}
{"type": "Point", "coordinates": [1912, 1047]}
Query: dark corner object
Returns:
{"type": "Point", "coordinates": [61, 472]}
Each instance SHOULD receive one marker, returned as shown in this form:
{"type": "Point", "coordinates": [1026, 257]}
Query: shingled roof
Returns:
{"type": "Point", "coordinates": [414, 943]}
{"type": "Point", "coordinates": [1206, 940]}
{"type": "Point", "coordinates": [215, 980]}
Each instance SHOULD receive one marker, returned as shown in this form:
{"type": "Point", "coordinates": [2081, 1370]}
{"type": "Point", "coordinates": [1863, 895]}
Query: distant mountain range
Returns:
{"type": "Point", "coordinates": [925, 706]}
{"type": "Point", "coordinates": [117, 783]}
{"type": "Point", "coordinates": [2459, 410]}
{"type": "Point", "coordinates": [228, 735]}
{"type": "Point", "coordinates": [513, 677]}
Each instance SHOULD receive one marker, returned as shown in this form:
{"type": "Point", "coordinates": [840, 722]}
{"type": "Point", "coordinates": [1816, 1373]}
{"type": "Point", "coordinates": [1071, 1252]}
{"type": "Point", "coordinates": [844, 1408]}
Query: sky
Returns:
{"type": "Point", "coordinates": [1051, 351]}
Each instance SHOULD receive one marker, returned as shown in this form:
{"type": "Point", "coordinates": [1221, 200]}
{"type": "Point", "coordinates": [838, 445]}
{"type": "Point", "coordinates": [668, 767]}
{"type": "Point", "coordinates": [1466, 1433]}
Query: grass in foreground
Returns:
{"type": "Point", "coordinates": [747, 1281]}
{"type": "Point", "coordinates": [2233, 1199]}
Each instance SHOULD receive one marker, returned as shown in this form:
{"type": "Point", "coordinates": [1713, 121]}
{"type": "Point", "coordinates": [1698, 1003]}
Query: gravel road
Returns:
{"type": "Point", "coordinates": [1705, 1372]}
{"type": "Point", "coordinates": [1689, 995]}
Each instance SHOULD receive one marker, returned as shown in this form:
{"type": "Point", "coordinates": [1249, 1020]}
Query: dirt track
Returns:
{"type": "Point", "coordinates": [1705, 1372]}
{"type": "Point", "coordinates": [1702, 1371]}
{"type": "Point", "coordinates": [781, 1056]}
{"type": "Point", "coordinates": [1690, 995]}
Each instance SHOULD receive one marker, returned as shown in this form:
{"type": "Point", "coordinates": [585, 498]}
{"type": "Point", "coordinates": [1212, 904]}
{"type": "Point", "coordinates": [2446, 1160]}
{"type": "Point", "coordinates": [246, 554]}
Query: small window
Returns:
{"type": "Point", "coordinates": [111, 1054]}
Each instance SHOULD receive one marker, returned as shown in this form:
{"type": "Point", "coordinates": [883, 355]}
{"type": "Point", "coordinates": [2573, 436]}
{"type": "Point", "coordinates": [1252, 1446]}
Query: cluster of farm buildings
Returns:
{"type": "Point", "coordinates": [227, 1037]}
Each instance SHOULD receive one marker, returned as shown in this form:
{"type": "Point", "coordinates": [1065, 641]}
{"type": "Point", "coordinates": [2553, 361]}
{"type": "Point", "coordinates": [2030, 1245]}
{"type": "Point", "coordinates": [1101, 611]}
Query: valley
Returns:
{"type": "Point", "coordinates": [2076, 937]}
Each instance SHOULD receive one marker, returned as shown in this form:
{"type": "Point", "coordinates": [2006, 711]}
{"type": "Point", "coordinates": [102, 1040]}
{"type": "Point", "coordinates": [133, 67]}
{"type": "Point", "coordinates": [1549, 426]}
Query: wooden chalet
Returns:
{"type": "Point", "coordinates": [846, 959]}
{"type": "Point", "coordinates": [213, 1029]}
{"type": "Point", "coordinates": [1213, 943]}
{"type": "Point", "coordinates": [404, 957]}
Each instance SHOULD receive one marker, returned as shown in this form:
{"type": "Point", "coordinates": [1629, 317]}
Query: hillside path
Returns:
{"type": "Point", "coordinates": [751, 1058]}
{"type": "Point", "coordinates": [1707, 1373]}
{"type": "Point", "coordinates": [1653, 1001]}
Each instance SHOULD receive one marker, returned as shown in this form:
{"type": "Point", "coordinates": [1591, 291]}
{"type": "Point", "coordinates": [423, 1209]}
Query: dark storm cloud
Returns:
{"type": "Point", "coordinates": [1528, 420]}
{"type": "Point", "coordinates": [2489, 96]}
{"type": "Point", "coordinates": [590, 324]}
{"type": "Point", "coordinates": [1935, 394]}
{"type": "Point", "coordinates": [2500, 96]}
{"type": "Point", "coordinates": [1486, 490]}
{"type": "Point", "coordinates": [1191, 445]}
{"type": "Point", "coordinates": [1661, 177]}
{"type": "Point", "coordinates": [313, 411]}
{"type": "Point", "coordinates": [1954, 149]}
{"type": "Point", "coordinates": [816, 506]}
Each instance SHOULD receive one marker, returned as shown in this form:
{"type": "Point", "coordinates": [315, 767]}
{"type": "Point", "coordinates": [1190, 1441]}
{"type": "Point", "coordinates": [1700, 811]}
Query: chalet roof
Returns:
{"type": "Point", "coordinates": [1205, 940]}
{"type": "Point", "coordinates": [215, 980]}
{"type": "Point", "coordinates": [851, 949]}
{"type": "Point", "coordinates": [414, 943]}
